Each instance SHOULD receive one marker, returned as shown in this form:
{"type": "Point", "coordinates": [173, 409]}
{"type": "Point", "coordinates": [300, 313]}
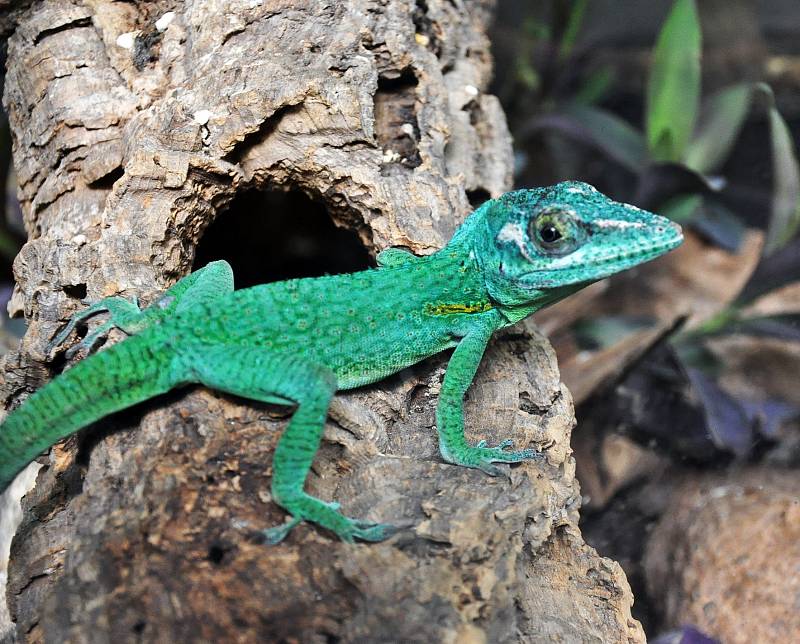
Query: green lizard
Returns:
{"type": "Point", "coordinates": [297, 342]}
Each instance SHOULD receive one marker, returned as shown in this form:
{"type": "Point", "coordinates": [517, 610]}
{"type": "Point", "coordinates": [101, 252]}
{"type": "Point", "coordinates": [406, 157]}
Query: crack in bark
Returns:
{"type": "Point", "coordinates": [265, 129]}
{"type": "Point", "coordinates": [74, 24]}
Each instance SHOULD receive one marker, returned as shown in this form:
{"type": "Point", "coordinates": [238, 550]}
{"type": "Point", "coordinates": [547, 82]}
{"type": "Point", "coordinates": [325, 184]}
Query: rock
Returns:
{"type": "Point", "coordinates": [726, 556]}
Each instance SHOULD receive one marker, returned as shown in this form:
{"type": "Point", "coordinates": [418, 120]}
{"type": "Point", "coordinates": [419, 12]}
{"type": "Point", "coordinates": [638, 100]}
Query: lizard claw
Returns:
{"type": "Point", "coordinates": [273, 536]}
{"type": "Point", "coordinates": [483, 457]}
{"type": "Point", "coordinates": [90, 340]}
{"type": "Point", "coordinates": [72, 351]}
{"type": "Point", "coordinates": [124, 315]}
{"type": "Point", "coordinates": [506, 443]}
{"type": "Point", "coordinates": [307, 508]}
{"type": "Point", "coordinates": [492, 470]}
{"type": "Point", "coordinates": [368, 531]}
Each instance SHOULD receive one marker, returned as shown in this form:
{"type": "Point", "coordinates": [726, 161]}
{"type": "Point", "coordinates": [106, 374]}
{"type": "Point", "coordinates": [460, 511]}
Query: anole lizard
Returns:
{"type": "Point", "coordinates": [297, 342]}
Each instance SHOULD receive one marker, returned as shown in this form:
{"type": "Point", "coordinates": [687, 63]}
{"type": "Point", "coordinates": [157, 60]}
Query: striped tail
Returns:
{"type": "Point", "coordinates": [127, 373]}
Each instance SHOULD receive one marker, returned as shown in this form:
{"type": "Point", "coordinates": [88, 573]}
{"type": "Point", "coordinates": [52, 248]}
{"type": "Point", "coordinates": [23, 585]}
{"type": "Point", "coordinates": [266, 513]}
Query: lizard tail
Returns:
{"type": "Point", "coordinates": [127, 373]}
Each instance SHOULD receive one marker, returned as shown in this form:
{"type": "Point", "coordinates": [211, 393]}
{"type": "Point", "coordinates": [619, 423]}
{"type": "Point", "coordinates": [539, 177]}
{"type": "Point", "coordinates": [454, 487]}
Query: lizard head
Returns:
{"type": "Point", "coordinates": [544, 243]}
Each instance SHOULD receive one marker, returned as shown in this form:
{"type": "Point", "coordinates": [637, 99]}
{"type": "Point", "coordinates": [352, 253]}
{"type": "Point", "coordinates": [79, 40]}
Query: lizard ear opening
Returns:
{"type": "Point", "coordinates": [268, 236]}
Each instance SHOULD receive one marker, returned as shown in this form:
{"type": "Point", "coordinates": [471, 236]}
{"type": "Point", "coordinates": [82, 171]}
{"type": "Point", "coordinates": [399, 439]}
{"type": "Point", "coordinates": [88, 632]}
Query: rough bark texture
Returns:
{"type": "Point", "coordinates": [143, 528]}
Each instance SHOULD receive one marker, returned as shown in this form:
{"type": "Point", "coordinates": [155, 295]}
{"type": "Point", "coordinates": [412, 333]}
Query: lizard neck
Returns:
{"type": "Point", "coordinates": [468, 292]}
{"type": "Point", "coordinates": [513, 314]}
{"type": "Point", "coordinates": [452, 282]}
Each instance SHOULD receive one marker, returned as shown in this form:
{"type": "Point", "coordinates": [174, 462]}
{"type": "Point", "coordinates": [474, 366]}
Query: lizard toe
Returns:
{"type": "Point", "coordinates": [482, 457]}
{"type": "Point", "coordinates": [374, 531]}
{"type": "Point", "coordinates": [275, 535]}
{"type": "Point", "coordinates": [491, 470]}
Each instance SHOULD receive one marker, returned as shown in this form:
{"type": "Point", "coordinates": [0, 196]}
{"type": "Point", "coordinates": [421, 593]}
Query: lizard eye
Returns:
{"type": "Point", "coordinates": [549, 234]}
{"type": "Point", "coordinates": [554, 230]}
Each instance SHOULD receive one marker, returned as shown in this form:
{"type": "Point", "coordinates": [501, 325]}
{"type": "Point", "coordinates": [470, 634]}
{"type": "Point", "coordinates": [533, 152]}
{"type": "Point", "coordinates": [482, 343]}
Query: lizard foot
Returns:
{"type": "Point", "coordinates": [87, 344]}
{"type": "Point", "coordinates": [124, 315]}
{"type": "Point", "coordinates": [308, 508]}
{"type": "Point", "coordinates": [482, 457]}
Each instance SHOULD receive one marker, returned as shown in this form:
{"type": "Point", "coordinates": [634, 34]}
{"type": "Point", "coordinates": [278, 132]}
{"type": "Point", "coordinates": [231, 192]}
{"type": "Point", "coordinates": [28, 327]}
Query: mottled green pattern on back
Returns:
{"type": "Point", "coordinates": [298, 342]}
{"type": "Point", "coordinates": [325, 319]}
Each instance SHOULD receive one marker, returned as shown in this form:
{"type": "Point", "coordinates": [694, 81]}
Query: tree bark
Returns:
{"type": "Point", "coordinates": [129, 140]}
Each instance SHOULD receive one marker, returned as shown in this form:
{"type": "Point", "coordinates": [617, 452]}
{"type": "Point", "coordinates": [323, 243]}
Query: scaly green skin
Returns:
{"type": "Point", "coordinates": [298, 342]}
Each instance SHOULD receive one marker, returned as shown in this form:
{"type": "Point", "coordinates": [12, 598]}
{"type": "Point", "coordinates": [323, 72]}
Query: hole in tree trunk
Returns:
{"type": "Point", "coordinates": [75, 291]}
{"type": "Point", "coordinates": [272, 236]}
{"type": "Point", "coordinates": [216, 554]}
{"type": "Point", "coordinates": [478, 196]}
{"type": "Point", "coordinates": [396, 126]}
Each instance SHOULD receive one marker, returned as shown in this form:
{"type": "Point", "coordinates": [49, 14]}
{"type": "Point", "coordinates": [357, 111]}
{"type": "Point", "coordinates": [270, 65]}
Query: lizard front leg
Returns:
{"type": "Point", "coordinates": [450, 411]}
{"type": "Point", "coordinates": [258, 374]}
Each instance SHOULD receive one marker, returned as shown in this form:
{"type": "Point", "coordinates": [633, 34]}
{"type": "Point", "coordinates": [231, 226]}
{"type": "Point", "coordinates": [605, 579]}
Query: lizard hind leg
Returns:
{"type": "Point", "coordinates": [261, 375]}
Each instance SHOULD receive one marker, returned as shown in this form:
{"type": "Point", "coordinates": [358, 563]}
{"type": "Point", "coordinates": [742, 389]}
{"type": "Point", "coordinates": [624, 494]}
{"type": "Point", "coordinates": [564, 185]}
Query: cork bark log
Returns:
{"type": "Point", "coordinates": [132, 133]}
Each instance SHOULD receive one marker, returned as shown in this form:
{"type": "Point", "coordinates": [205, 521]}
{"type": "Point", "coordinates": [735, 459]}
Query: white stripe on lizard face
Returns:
{"type": "Point", "coordinates": [513, 232]}
{"type": "Point", "coordinates": [616, 223]}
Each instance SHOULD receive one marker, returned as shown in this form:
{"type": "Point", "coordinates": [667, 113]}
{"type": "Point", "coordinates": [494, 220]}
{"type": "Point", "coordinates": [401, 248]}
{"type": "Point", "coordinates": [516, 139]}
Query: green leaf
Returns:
{"type": "Point", "coordinates": [572, 29]}
{"type": "Point", "coordinates": [717, 323]}
{"type": "Point", "coordinates": [536, 29]}
{"type": "Point", "coordinates": [615, 137]}
{"type": "Point", "coordinates": [785, 212]}
{"type": "Point", "coordinates": [721, 119]}
{"type": "Point", "coordinates": [527, 75]}
{"type": "Point", "coordinates": [681, 208]}
{"type": "Point", "coordinates": [595, 86]}
{"type": "Point", "coordinates": [673, 89]}
{"type": "Point", "coordinates": [783, 326]}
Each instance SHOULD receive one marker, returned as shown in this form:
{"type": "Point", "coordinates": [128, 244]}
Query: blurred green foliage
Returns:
{"type": "Point", "coordinates": [686, 138]}
{"type": "Point", "coordinates": [676, 160]}
{"type": "Point", "coordinates": [673, 89]}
